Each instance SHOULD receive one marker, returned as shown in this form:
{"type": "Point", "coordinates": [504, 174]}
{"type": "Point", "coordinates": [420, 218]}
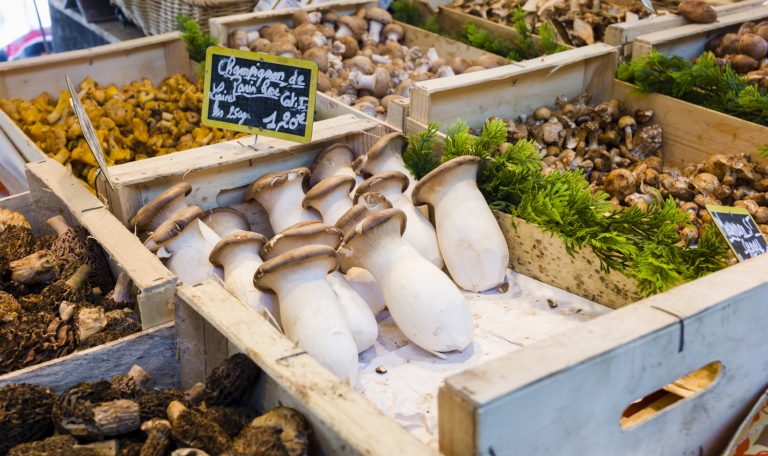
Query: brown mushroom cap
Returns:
{"type": "Point", "coordinates": [361, 63]}
{"type": "Point", "coordinates": [213, 216]}
{"type": "Point", "coordinates": [491, 61]}
{"type": "Point", "coordinates": [319, 55]}
{"type": "Point", "coordinates": [323, 82]}
{"type": "Point", "coordinates": [327, 186]}
{"type": "Point", "coordinates": [299, 17]}
{"type": "Point", "coordinates": [377, 150]}
{"type": "Point", "coordinates": [330, 16]}
{"type": "Point", "coordinates": [374, 182]}
{"type": "Point", "coordinates": [356, 25]}
{"type": "Point", "coordinates": [393, 29]}
{"type": "Point", "coordinates": [315, 255]}
{"type": "Point", "coordinates": [337, 154]}
{"type": "Point", "coordinates": [272, 180]}
{"type": "Point", "coordinates": [433, 180]}
{"type": "Point", "coordinates": [379, 15]}
{"type": "Point", "coordinates": [174, 225]}
{"type": "Point", "coordinates": [237, 240]}
{"type": "Point", "coordinates": [475, 68]}
{"type": "Point", "coordinates": [146, 213]}
{"type": "Point", "coordinates": [367, 204]}
{"type": "Point", "coordinates": [351, 48]}
{"type": "Point", "coordinates": [300, 234]}
{"type": "Point", "coordinates": [374, 222]}
{"type": "Point", "coordinates": [270, 31]}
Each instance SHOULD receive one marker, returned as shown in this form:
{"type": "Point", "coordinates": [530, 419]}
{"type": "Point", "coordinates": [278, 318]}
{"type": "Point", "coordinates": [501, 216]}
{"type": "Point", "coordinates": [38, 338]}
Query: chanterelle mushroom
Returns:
{"type": "Point", "coordinates": [309, 308]}
{"type": "Point", "coordinates": [470, 239]}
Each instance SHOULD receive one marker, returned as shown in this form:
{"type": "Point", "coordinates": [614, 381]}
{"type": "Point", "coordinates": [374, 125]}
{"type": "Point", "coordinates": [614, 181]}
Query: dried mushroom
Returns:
{"type": "Point", "coordinates": [230, 382]}
{"type": "Point", "coordinates": [33, 338]}
{"type": "Point", "coordinates": [158, 437]}
{"type": "Point", "coordinates": [25, 414]}
{"type": "Point", "coordinates": [74, 245]}
{"type": "Point", "coordinates": [55, 445]}
{"type": "Point", "coordinates": [132, 122]}
{"type": "Point", "coordinates": [94, 410]}
{"type": "Point", "coordinates": [295, 433]}
{"type": "Point", "coordinates": [192, 429]}
{"type": "Point", "coordinates": [15, 237]}
{"type": "Point", "coordinates": [259, 441]}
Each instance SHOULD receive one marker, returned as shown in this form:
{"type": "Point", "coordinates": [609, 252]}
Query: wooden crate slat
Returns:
{"type": "Point", "coordinates": [54, 187]}
{"type": "Point", "coordinates": [619, 358]}
{"type": "Point", "coordinates": [341, 418]}
{"type": "Point", "coordinates": [154, 350]}
{"type": "Point", "coordinates": [11, 166]}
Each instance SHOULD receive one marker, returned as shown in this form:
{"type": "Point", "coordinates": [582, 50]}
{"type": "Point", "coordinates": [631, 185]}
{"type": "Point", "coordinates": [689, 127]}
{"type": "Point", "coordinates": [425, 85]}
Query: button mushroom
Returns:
{"type": "Point", "coordinates": [377, 19]}
{"type": "Point", "coordinates": [418, 231]}
{"type": "Point", "coordinates": [238, 254]}
{"type": "Point", "coordinates": [470, 239]}
{"type": "Point", "coordinates": [422, 300]}
{"type": "Point", "coordinates": [281, 193]}
{"type": "Point", "coordinates": [309, 308]}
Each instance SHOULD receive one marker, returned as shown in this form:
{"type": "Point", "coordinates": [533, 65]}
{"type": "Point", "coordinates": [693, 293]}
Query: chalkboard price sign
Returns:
{"type": "Point", "coordinates": [740, 230]}
{"type": "Point", "coordinates": [259, 93]}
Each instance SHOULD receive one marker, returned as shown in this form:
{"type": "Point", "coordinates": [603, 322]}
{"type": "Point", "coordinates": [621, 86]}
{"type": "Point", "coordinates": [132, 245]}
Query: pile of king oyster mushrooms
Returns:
{"type": "Point", "coordinates": [620, 153]}
{"type": "Point", "coordinates": [361, 59]}
{"type": "Point", "coordinates": [349, 241]}
{"type": "Point", "coordinates": [125, 416]}
{"type": "Point", "coordinates": [57, 294]}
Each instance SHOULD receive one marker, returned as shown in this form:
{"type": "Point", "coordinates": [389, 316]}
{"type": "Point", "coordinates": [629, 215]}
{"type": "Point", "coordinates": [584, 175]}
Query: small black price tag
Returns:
{"type": "Point", "coordinates": [740, 230]}
{"type": "Point", "coordinates": [259, 93]}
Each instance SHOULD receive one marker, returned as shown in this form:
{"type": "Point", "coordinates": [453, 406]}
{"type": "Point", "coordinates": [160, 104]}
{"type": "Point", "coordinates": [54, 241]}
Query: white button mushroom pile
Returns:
{"type": "Point", "coordinates": [361, 59]}
{"type": "Point", "coordinates": [350, 241]}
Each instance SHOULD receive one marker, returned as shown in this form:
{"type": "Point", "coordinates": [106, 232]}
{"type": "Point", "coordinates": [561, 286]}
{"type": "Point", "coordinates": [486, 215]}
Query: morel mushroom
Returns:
{"type": "Point", "coordinates": [15, 237]}
{"type": "Point", "coordinates": [10, 309]}
{"type": "Point", "coordinates": [38, 267]}
{"type": "Point", "coordinates": [298, 278]}
{"type": "Point", "coordinates": [230, 382]}
{"type": "Point", "coordinates": [259, 441]}
{"type": "Point", "coordinates": [192, 429]}
{"type": "Point", "coordinates": [158, 437]}
{"type": "Point", "coordinates": [470, 239]}
{"type": "Point", "coordinates": [295, 433]}
{"type": "Point", "coordinates": [25, 414]}
{"type": "Point", "coordinates": [74, 289]}
{"type": "Point", "coordinates": [93, 410]}
{"type": "Point", "coordinates": [75, 245]}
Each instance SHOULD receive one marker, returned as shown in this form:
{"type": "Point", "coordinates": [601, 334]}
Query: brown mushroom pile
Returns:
{"type": "Point", "coordinates": [134, 122]}
{"type": "Point", "coordinates": [746, 51]}
{"type": "Point", "coordinates": [620, 154]}
{"type": "Point", "coordinates": [126, 416]}
{"type": "Point", "coordinates": [578, 24]}
{"type": "Point", "coordinates": [361, 59]}
{"type": "Point", "coordinates": [56, 294]}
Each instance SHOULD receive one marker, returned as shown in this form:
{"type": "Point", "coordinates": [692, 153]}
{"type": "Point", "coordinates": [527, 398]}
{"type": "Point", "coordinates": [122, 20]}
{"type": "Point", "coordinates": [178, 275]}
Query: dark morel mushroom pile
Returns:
{"type": "Point", "coordinates": [56, 294]}
{"type": "Point", "coordinates": [126, 417]}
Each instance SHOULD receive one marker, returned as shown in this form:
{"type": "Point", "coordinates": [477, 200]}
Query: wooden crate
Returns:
{"type": "Point", "coordinates": [55, 191]}
{"type": "Point", "coordinates": [624, 34]}
{"type": "Point", "coordinates": [326, 106]}
{"type": "Point", "coordinates": [154, 57]}
{"type": "Point", "coordinates": [11, 167]}
{"type": "Point", "coordinates": [689, 40]}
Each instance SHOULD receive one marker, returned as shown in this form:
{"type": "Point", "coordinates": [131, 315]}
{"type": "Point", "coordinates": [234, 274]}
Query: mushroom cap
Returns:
{"type": "Point", "coordinates": [318, 55]}
{"type": "Point", "coordinates": [303, 257]}
{"type": "Point", "coordinates": [369, 99]}
{"type": "Point", "coordinates": [627, 121]}
{"type": "Point", "coordinates": [323, 82]}
{"type": "Point", "coordinates": [380, 146]}
{"type": "Point", "coordinates": [355, 24]}
{"type": "Point", "coordinates": [327, 186]}
{"type": "Point", "coordinates": [272, 180]}
{"type": "Point", "coordinates": [212, 217]}
{"type": "Point", "coordinates": [175, 224]}
{"type": "Point", "coordinates": [379, 15]}
{"type": "Point", "coordinates": [436, 177]}
{"type": "Point", "coordinates": [490, 61]}
{"type": "Point", "coordinates": [475, 68]}
{"type": "Point", "coordinates": [146, 213]}
{"type": "Point", "coordinates": [299, 17]}
{"type": "Point", "coordinates": [372, 183]}
{"type": "Point", "coordinates": [283, 47]}
{"type": "Point", "coordinates": [330, 16]}
{"type": "Point", "coordinates": [393, 28]}
{"type": "Point", "coordinates": [351, 47]}
{"type": "Point", "coordinates": [301, 234]}
{"type": "Point", "coordinates": [239, 240]}
{"type": "Point", "coordinates": [367, 204]}
{"type": "Point", "coordinates": [338, 154]}
{"type": "Point", "coordinates": [376, 221]}
{"type": "Point", "coordinates": [361, 63]}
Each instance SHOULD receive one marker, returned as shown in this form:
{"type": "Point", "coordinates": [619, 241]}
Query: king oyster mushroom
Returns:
{"type": "Point", "coordinates": [334, 160]}
{"type": "Point", "coordinates": [385, 155]}
{"type": "Point", "coordinates": [356, 312]}
{"type": "Point", "coordinates": [225, 220]}
{"type": "Point", "coordinates": [161, 208]}
{"type": "Point", "coordinates": [472, 244]}
{"type": "Point", "coordinates": [238, 254]}
{"type": "Point", "coordinates": [281, 193]}
{"type": "Point", "coordinates": [422, 300]}
{"type": "Point", "coordinates": [309, 308]}
{"type": "Point", "coordinates": [330, 197]}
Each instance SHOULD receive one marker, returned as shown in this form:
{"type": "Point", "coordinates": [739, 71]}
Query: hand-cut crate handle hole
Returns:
{"type": "Point", "coordinates": [684, 388]}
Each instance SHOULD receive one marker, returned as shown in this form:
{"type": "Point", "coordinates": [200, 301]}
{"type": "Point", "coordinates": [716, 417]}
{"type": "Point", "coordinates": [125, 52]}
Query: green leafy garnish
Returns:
{"type": "Point", "coordinates": [197, 41]}
{"type": "Point", "coordinates": [419, 156]}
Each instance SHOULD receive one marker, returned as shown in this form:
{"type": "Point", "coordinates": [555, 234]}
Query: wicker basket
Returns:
{"type": "Point", "coordinates": [159, 16]}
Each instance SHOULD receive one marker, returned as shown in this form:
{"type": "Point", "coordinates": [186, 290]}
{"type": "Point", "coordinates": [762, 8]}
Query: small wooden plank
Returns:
{"type": "Point", "coordinates": [689, 142]}
{"type": "Point", "coordinates": [689, 40]}
{"type": "Point", "coordinates": [11, 166]}
{"type": "Point", "coordinates": [190, 328]}
{"type": "Point", "coordinates": [621, 357]}
{"type": "Point", "coordinates": [397, 113]}
{"type": "Point", "coordinates": [515, 90]}
{"type": "Point", "coordinates": [624, 33]}
{"type": "Point", "coordinates": [154, 350]}
{"type": "Point", "coordinates": [54, 188]}
{"type": "Point", "coordinates": [343, 421]}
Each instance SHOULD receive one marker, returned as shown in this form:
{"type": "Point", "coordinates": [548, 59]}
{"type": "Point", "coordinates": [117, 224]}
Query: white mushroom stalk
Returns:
{"type": "Point", "coordinates": [225, 220]}
{"type": "Point", "coordinates": [281, 194]}
{"type": "Point", "coordinates": [334, 160]}
{"type": "Point", "coordinates": [386, 155]}
{"type": "Point", "coordinates": [470, 239]}
{"type": "Point", "coordinates": [162, 207]}
{"type": "Point", "coordinates": [189, 242]}
{"type": "Point", "coordinates": [357, 314]}
{"type": "Point", "coordinates": [361, 280]}
{"type": "Point", "coordinates": [330, 197]}
{"type": "Point", "coordinates": [309, 308]}
{"type": "Point", "coordinates": [419, 232]}
{"type": "Point", "coordinates": [422, 300]}
{"type": "Point", "coordinates": [238, 254]}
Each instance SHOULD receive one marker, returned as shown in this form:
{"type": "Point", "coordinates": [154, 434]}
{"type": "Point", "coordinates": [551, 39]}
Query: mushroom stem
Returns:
{"type": "Point", "coordinates": [189, 253]}
{"type": "Point", "coordinates": [360, 319]}
{"type": "Point", "coordinates": [76, 280]}
{"type": "Point", "coordinates": [374, 30]}
{"type": "Point", "coordinates": [58, 224]}
{"type": "Point", "coordinates": [39, 267]}
{"type": "Point", "coordinates": [470, 239]}
{"type": "Point", "coordinates": [121, 294]}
